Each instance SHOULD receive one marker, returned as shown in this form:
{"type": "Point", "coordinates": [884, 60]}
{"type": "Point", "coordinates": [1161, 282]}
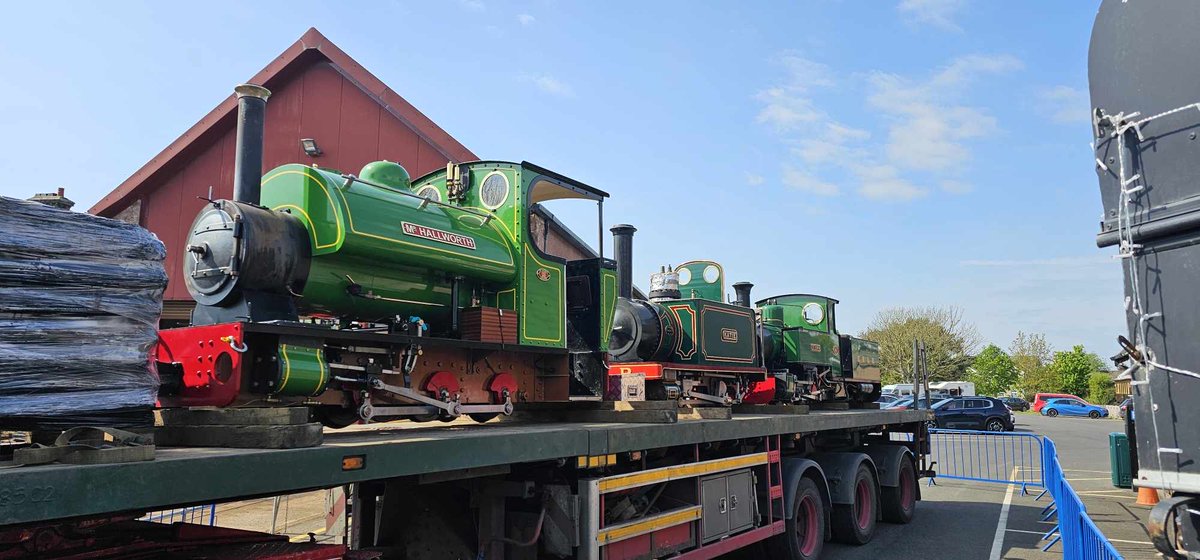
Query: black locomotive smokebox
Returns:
{"type": "Point", "coordinates": [235, 246]}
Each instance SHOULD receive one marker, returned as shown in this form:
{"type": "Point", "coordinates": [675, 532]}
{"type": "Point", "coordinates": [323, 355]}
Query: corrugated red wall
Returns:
{"type": "Point", "coordinates": [350, 127]}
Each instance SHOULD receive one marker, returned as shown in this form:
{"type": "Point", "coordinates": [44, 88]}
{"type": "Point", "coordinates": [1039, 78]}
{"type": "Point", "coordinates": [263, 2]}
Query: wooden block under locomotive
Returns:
{"type": "Point", "coordinates": [489, 324]}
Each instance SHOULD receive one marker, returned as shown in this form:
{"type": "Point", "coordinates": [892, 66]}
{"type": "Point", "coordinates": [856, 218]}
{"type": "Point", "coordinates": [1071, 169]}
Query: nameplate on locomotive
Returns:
{"type": "Point", "coordinates": [438, 235]}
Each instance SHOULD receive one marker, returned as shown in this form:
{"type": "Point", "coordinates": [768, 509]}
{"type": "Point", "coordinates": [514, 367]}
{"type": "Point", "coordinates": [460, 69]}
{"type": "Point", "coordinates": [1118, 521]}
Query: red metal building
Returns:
{"type": "Point", "coordinates": [318, 93]}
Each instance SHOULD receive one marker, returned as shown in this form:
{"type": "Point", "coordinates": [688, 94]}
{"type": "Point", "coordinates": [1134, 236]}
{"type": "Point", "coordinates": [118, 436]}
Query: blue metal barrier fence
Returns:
{"type": "Point", "coordinates": [1001, 457]}
{"type": "Point", "coordinates": [1029, 460]}
{"type": "Point", "coordinates": [1081, 539]}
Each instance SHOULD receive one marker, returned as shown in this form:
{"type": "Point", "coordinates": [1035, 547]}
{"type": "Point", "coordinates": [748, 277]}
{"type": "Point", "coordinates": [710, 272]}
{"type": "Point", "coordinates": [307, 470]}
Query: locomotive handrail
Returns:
{"type": "Point", "coordinates": [350, 178]}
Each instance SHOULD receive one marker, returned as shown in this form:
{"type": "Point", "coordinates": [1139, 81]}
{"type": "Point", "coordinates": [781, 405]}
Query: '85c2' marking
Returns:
{"type": "Point", "coordinates": [34, 494]}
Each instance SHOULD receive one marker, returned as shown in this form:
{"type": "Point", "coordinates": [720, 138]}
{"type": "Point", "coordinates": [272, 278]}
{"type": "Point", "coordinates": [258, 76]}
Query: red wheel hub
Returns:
{"type": "Point", "coordinates": [806, 525]}
{"type": "Point", "coordinates": [862, 503]}
{"type": "Point", "coordinates": [442, 385]}
{"type": "Point", "coordinates": [502, 386]}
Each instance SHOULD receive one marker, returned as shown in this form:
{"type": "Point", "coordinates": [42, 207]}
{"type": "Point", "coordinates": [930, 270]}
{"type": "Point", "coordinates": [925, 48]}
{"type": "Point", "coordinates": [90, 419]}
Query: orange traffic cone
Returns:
{"type": "Point", "coordinates": [1147, 496]}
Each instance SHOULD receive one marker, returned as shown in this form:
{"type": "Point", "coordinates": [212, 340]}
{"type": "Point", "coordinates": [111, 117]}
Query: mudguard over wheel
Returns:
{"type": "Point", "coordinates": [855, 523]}
{"type": "Point", "coordinates": [804, 534]}
{"type": "Point", "coordinates": [899, 503]}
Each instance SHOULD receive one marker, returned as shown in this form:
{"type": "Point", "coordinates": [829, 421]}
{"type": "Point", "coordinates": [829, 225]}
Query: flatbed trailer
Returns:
{"type": "Point", "coordinates": [694, 488]}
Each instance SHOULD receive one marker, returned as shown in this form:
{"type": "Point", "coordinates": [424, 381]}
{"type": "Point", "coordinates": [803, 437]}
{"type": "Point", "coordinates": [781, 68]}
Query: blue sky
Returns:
{"type": "Point", "coordinates": [885, 153]}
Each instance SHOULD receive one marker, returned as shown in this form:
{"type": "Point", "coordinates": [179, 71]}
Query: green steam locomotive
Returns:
{"type": "Point", "coordinates": [377, 296]}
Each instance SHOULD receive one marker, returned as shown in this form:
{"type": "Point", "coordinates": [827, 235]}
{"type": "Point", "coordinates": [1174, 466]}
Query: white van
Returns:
{"type": "Point", "coordinates": [899, 390]}
{"type": "Point", "coordinates": [953, 388]}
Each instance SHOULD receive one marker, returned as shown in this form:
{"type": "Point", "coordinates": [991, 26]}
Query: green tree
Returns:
{"type": "Point", "coordinates": [949, 342]}
{"type": "Point", "coordinates": [1032, 354]}
{"type": "Point", "coordinates": [993, 372]}
{"type": "Point", "coordinates": [1073, 368]}
{"type": "Point", "coordinates": [1101, 388]}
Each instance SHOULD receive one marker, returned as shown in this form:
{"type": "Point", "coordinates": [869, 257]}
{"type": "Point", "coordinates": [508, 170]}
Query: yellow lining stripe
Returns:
{"type": "Point", "coordinates": [320, 388]}
{"type": "Point", "coordinates": [561, 271]}
{"type": "Point", "coordinates": [632, 529]}
{"type": "Point", "coordinates": [287, 367]}
{"type": "Point", "coordinates": [654, 476]}
{"type": "Point", "coordinates": [350, 222]}
{"type": "Point", "coordinates": [341, 235]}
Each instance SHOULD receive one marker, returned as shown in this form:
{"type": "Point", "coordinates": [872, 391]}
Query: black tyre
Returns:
{"type": "Point", "coordinates": [333, 416]}
{"type": "Point", "coordinates": [994, 425]}
{"type": "Point", "coordinates": [899, 504]}
{"type": "Point", "coordinates": [482, 417]}
{"type": "Point", "coordinates": [855, 523]}
{"type": "Point", "coordinates": [804, 535]}
{"type": "Point", "coordinates": [1051, 412]}
{"type": "Point", "coordinates": [1094, 414]}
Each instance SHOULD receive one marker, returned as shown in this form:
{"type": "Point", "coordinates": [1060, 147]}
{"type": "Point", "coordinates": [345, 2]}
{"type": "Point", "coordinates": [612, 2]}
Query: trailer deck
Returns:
{"type": "Point", "coordinates": [183, 476]}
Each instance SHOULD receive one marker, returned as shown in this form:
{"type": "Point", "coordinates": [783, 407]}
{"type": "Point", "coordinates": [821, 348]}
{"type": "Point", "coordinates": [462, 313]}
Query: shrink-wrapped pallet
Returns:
{"type": "Point", "coordinates": [80, 299]}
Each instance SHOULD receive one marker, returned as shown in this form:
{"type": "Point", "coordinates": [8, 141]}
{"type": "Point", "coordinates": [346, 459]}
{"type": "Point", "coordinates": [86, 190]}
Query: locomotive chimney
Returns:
{"type": "Point", "coordinates": [248, 157]}
{"type": "Point", "coordinates": [623, 252]}
{"type": "Point", "coordinates": [741, 293]}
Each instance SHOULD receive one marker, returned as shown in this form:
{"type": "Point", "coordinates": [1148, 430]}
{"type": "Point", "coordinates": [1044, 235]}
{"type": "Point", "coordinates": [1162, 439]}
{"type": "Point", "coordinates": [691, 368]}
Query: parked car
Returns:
{"type": "Point", "coordinates": [1126, 406]}
{"type": "Point", "coordinates": [887, 399]}
{"type": "Point", "coordinates": [974, 413]}
{"type": "Point", "coordinates": [1039, 400]}
{"type": "Point", "coordinates": [1015, 403]}
{"type": "Point", "coordinates": [1073, 407]}
{"type": "Point", "coordinates": [907, 403]}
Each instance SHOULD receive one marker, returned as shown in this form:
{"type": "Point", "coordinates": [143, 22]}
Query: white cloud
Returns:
{"type": "Point", "coordinates": [883, 182]}
{"type": "Point", "coordinates": [938, 13]}
{"type": "Point", "coordinates": [838, 143]}
{"type": "Point", "coordinates": [754, 179]}
{"type": "Point", "coordinates": [1065, 104]}
{"type": "Point", "coordinates": [785, 111]}
{"type": "Point", "coordinates": [954, 186]}
{"type": "Point", "coordinates": [788, 107]}
{"type": "Point", "coordinates": [929, 126]}
{"type": "Point", "coordinates": [805, 74]}
{"type": "Point", "coordinates": [526, 19]}
{"type": "Point", "coordinates": [473, 5]}
{"type": "Point", "coordinates": [553, 86]}
{"type": "Point", "coordinates": [802, 181]}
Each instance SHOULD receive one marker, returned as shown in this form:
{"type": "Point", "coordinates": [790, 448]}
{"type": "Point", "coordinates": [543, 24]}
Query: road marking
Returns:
{"type": "Point", "coordinates": [1002, 523]}
{"type": "Point", "coordinates": [1109, 540]}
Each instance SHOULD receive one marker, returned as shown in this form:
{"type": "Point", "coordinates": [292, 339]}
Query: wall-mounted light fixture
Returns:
{"type": "Point", "coordinates": [310, 147]}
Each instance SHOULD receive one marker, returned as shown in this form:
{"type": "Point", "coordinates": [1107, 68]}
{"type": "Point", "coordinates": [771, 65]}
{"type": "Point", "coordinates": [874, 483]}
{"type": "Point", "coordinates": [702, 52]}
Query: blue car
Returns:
{"type": "Point", "coordinates": [1073, 407]}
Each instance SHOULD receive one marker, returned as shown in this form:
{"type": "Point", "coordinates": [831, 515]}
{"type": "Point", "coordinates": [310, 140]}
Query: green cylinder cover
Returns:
{"type": "Point", "coordinates": [302, 371]}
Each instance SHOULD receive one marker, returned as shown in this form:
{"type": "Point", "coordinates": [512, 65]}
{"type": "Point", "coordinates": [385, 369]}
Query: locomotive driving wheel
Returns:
{"type": "Point", "coordinates": [503, 388]}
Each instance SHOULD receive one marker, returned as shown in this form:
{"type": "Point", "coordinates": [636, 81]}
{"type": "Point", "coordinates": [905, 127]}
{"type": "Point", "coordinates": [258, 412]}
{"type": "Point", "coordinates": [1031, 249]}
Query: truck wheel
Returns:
{"type": "Point", "coordinates": [900, 503]}
{"type": "Point", "coordinates": [804, 534]}
{"type": "Point", "coordinates": [1094, 414]}
{"type": "Point", "coordinates": [855, 523]}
